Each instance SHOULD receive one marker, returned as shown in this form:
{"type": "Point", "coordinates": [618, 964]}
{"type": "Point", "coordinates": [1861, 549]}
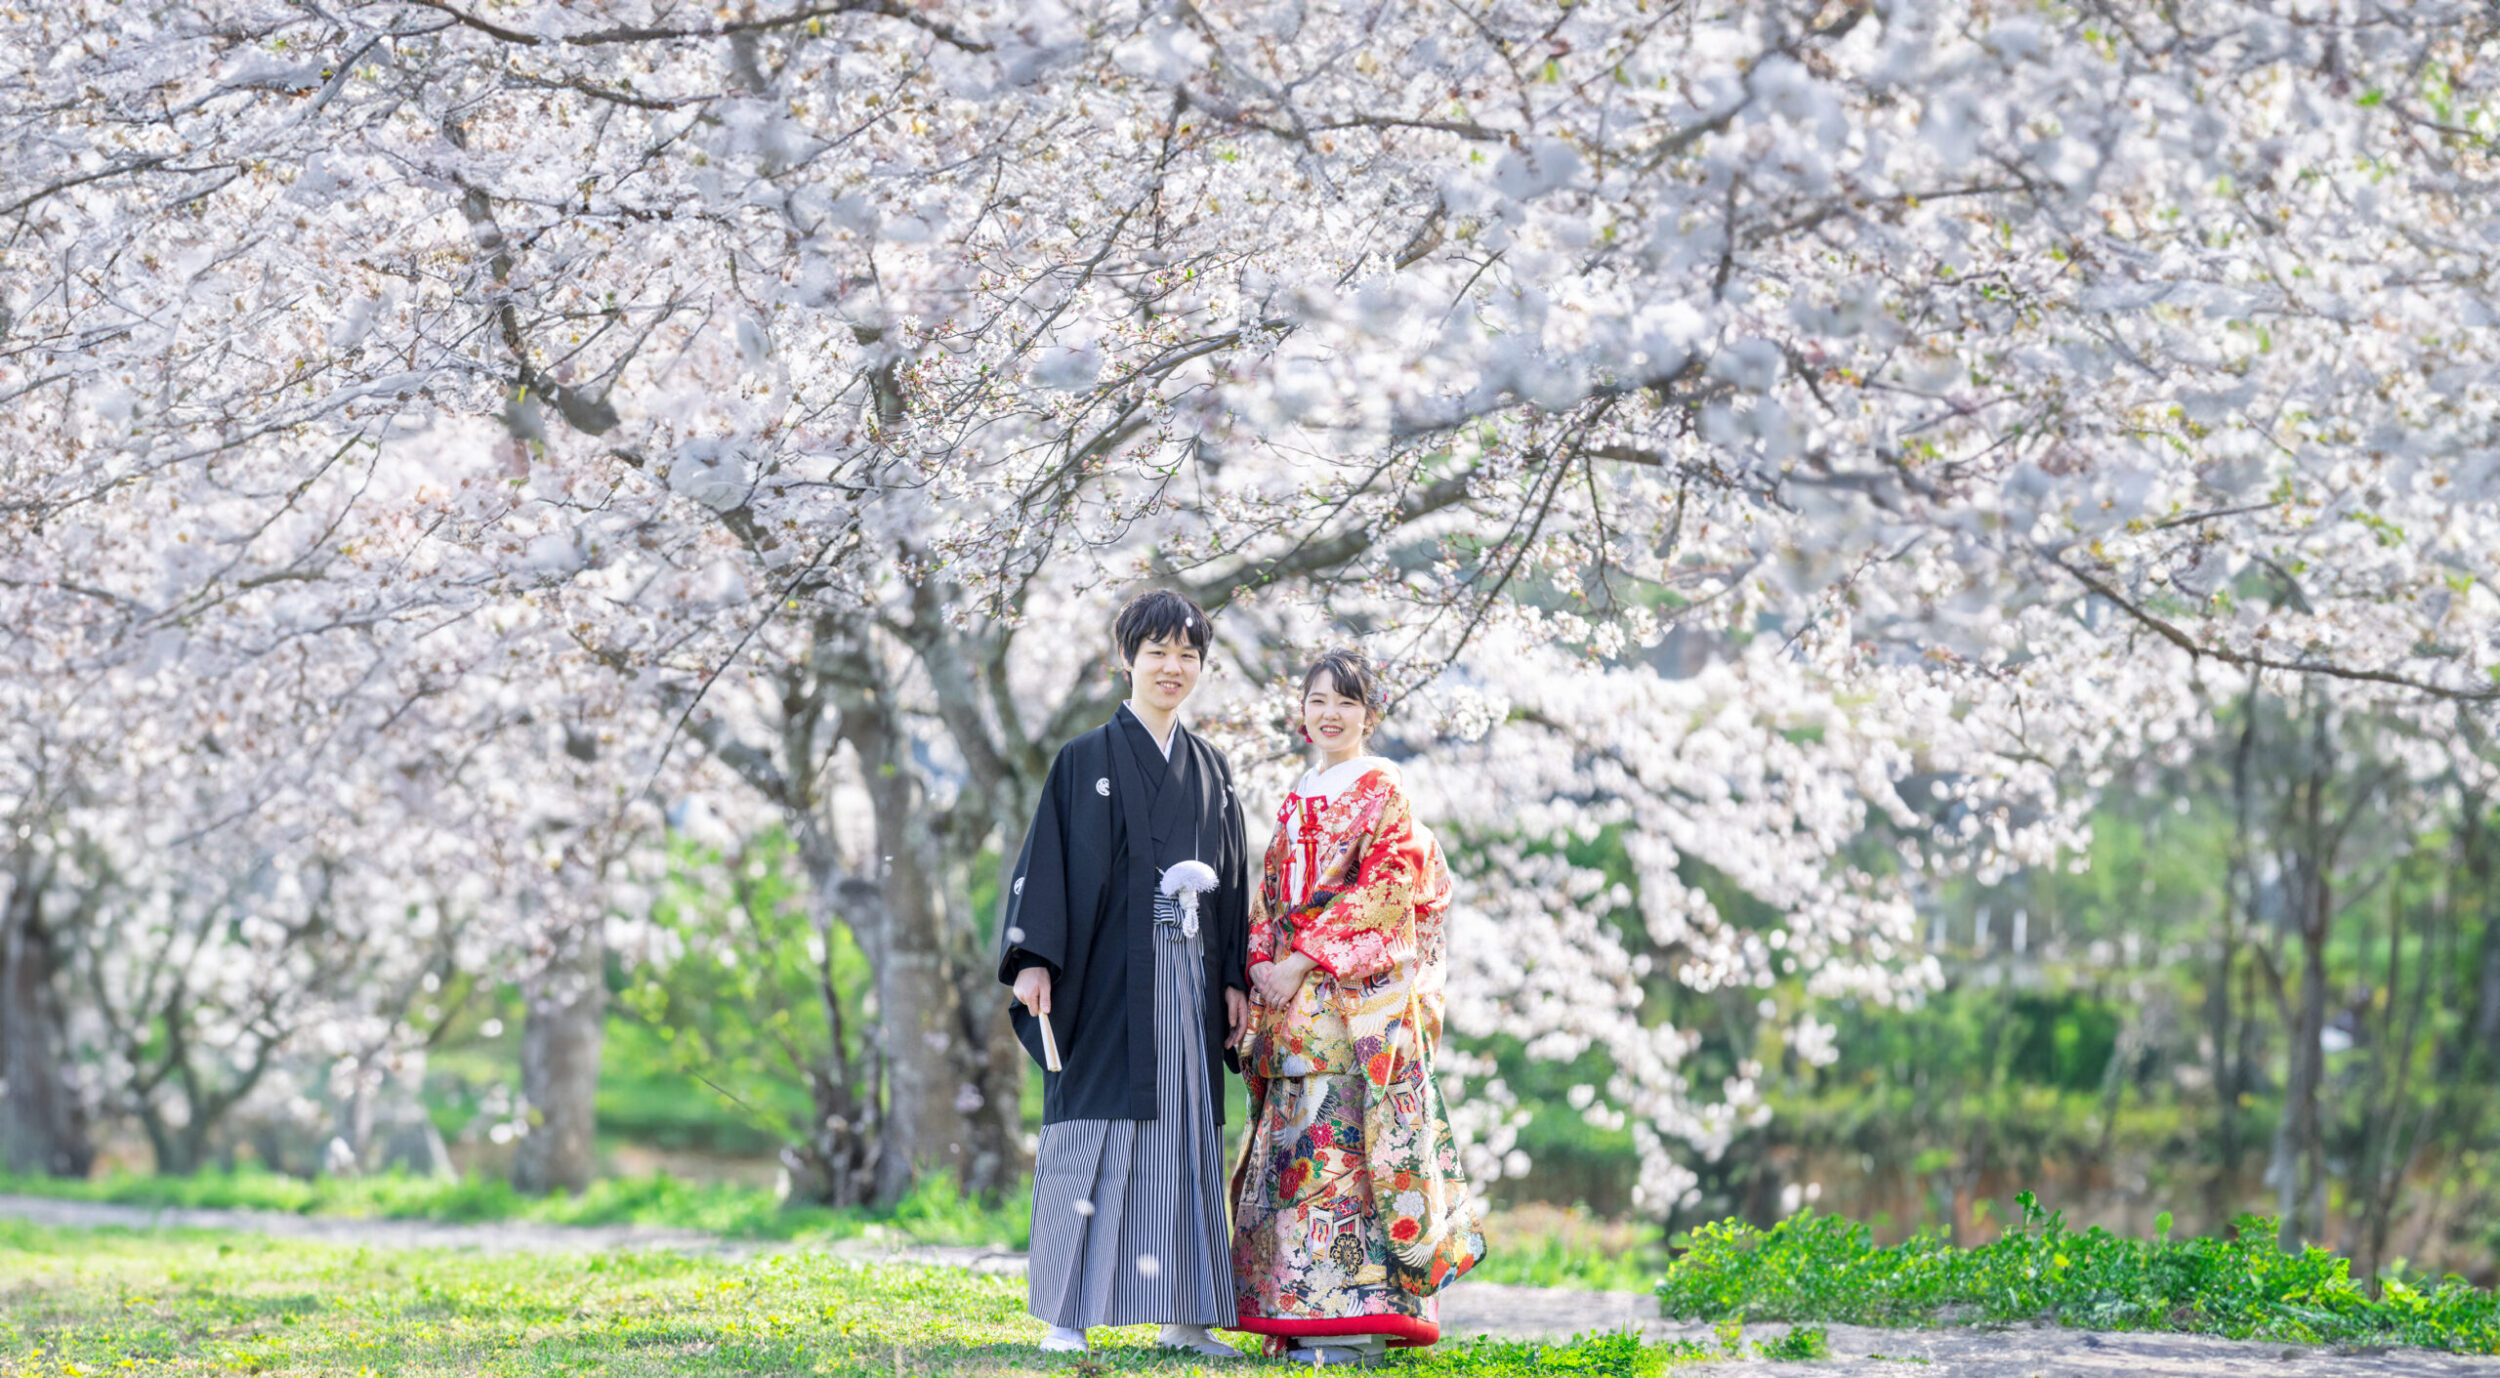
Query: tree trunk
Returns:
{"type": "Point", "coordinates": [923, 1129]}
{"type": "Point", "coordinates": [2299, 1166]}
{"type": "Point", "coordinates": [2469, 969]}
{"type": "Point", "coordinates": [560, 1037]}
{"type": "Point", "coordinates": [1003, 777]}
{"type": "Point", "coordinates": [43, 1119]}
{"type": "Point", "coordinates": [2300, 1142]}
{"type": "Point", "coordinates": [992, 1072]}
{"type": "Point", "coordinates": [2222, 1020]}
{"type": "Point", "coordinates": [994, 1155]}
{"type": "Point", "coordinates": [955, 1074]}
{"type": "Point", "coordinates": [834, 1163]}
{"type": "Point", "coordinates": [898, 916]}
{"type": "Point", "coordinates": [2483, 1042]}
{"type": "Point", "coordinates": [2293, 1132]}
{"type": "Point", "coordinates": [944, 1088]}
{"type": "Point", "coordinates": [994, 1064]}
{"type": "Point", "coordinates": [2392, 1138]}
{"type": "Point", "coordinates": [2220, 1028]}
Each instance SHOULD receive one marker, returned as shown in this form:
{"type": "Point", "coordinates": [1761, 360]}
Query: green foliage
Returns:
{"type": "Point", "coordinates": [1575, 1160]}
{"type": "Point", "coordinates": [2114, 1048]}
{"type": "Point", "coordinates": [1556, 1257]}
{"type": "Point", "coordinates": [646, 1098]}
{"type": "Point", "coordinates": [743, 1012]}
{"type": "Point", "coordinates": [1828, 1269]}
{"type": "Point", "coordinates": [90, 1301]}
{"type": "Point", "coordinates": [2063, 1040]}
{"type": "Point", "coordinates": [933, 1213]}
{"type": "Point", "coordinates": [1616, 1354]}
{"type": "Point", "coordinates": [1802, 1342]}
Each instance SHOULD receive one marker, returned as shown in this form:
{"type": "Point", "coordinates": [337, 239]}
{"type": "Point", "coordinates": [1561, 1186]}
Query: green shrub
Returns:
{"type": "Point", "coordinates": [1826, 1268]}
{"type": "Point", "coordinates": [1800, 1343]}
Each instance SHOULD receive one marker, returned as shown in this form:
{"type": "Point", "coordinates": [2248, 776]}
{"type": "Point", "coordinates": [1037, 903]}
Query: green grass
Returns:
{"type": "Point", "coordinates": [1801, 1344]}
{"type": "Point", "coordinates": [932, 1214]}
{"type": "Point", "coordinates": [80, 1303]}
{"type": "Point", "coordinates": [1557, 1260]}
{"type": "Point", "coordinates": [1827, 1269]}
{"type": "Point", "coordinates": [1545, 1249]}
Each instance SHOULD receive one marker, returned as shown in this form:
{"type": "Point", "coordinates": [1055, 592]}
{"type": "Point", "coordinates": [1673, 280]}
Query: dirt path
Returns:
{"type": "Point", "coordinates": [1467, 1310]}
{"type": "Point", "coordinates": [2047, 1352]}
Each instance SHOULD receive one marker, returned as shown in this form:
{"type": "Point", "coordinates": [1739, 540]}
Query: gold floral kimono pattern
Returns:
{"type": "Point", "coordinates": [1349, 1136]}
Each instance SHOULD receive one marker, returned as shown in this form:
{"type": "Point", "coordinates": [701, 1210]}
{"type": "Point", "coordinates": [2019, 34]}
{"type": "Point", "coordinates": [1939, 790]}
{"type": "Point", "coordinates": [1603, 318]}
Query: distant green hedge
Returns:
{"type": "Point", "coordinates": [1827, 1268]}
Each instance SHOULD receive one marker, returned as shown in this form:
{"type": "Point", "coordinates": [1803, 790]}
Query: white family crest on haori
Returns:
{"type": "Point", "coordinates": [1187, 880]}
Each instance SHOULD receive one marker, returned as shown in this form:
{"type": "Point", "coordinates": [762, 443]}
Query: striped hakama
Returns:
{"type": "Point", "coordinates": [1129, 1225]}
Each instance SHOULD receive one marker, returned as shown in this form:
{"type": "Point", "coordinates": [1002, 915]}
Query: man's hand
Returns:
{"type": "Point", "coordinates": [1236, 1013]}
{"type": "Point", "coordinates": [1280, 979]}
{"type": "Point", "coordinates": [1033, 989]}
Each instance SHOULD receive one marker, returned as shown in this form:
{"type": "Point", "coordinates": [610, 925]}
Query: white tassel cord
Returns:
{"type": "Point", "coordinates": [1187, 880]}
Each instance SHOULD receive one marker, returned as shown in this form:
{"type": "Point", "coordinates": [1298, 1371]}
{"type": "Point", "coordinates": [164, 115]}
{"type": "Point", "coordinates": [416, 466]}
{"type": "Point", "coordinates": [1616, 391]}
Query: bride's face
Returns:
{"type": "Point", "coordinates": [1335, 720]}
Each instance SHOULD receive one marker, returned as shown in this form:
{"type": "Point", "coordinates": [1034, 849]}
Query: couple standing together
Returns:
{"type": "Point", "coordinates": [1135, 928]}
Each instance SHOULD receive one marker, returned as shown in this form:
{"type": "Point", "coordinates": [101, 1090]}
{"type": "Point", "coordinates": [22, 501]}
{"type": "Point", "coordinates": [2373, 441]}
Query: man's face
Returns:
{"type": "Point", "coordinates": [1164, 672]}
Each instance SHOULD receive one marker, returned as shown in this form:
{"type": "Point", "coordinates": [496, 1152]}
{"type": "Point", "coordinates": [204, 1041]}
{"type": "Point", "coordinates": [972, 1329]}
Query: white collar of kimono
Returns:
{"type": "Point", "coordinates": [1323, 784]}
{"type": "Point", "coordinates": [1166, 741]}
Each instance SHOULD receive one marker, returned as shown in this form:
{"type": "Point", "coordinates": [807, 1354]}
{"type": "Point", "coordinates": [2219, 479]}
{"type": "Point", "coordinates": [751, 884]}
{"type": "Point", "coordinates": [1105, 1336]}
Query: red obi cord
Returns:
{"type": "Point", "coordinates": [1404, 1332]}
{"type": "Point", "coordinates": [1306, 840]}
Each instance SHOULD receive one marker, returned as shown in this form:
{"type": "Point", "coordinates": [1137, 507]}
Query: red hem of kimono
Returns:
{"type": "Point", "coordinates": [1404, 1332]}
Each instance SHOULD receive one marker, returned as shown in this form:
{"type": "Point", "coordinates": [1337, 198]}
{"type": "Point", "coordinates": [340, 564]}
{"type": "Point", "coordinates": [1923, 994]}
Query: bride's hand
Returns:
{"type": "Point", "coordinates": [1280, 979]}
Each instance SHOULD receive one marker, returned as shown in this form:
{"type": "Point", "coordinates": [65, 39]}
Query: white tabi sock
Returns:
{"type": "Point", "coordinates": [1195, 1339]}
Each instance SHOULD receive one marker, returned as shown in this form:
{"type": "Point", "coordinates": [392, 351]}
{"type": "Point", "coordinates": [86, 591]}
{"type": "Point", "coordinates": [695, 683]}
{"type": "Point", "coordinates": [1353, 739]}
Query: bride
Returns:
{"type": "Point", "coordinates": [1349, 1210]}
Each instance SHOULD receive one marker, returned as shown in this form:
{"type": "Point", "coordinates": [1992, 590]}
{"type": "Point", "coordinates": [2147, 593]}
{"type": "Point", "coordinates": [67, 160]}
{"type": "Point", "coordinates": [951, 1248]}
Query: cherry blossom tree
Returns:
{"type": "Point", "coordinates": [256, 833]}
{"type": "Point", "coordinates": [1769, 432]}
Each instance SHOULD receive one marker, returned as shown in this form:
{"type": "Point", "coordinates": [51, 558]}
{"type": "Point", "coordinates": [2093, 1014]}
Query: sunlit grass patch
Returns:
{"type": "Point", "coordinates": [108, 1301]}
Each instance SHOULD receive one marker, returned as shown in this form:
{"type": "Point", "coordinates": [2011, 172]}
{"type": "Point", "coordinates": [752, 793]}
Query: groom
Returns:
{"type": "Point", "coordinates": [1127, 929]}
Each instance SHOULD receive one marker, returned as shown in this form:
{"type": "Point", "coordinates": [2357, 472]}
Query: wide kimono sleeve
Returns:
{"type": "Point", "coordinates": [1357, 931]}
{"type": "Point", "coordinates": [1262, 923]}
{"type": "Point", "coordinates": [1036, 926]}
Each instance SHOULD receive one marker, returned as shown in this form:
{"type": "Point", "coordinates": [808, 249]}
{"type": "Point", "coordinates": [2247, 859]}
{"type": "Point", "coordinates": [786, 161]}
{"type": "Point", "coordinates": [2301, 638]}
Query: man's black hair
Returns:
{"type": "Point", "coordinates": [1161, 615]}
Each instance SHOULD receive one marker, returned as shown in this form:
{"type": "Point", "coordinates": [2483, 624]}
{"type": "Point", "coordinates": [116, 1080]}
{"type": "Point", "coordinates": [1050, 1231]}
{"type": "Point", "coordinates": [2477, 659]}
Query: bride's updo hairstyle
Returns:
{"type": "Point", "coordinates": [1350, 673]}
